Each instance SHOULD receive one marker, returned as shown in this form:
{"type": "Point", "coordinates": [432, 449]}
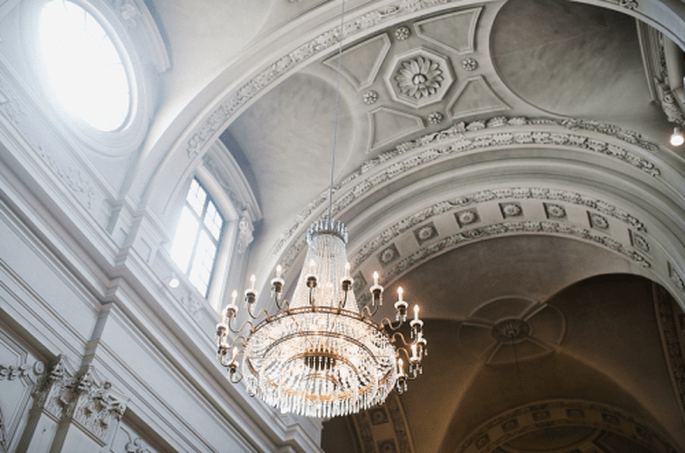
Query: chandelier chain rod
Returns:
{"type": "Point", "coordinates": [335, 112]}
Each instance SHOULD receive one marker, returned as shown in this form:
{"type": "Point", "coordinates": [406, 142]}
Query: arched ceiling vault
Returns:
{"type": "Point", "coordinates": [503, 161]}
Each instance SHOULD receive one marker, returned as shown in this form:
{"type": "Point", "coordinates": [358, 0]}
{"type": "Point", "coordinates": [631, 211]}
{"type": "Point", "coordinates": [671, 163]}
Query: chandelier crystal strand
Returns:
{"type": "Point", "coordinates": [321, 355]}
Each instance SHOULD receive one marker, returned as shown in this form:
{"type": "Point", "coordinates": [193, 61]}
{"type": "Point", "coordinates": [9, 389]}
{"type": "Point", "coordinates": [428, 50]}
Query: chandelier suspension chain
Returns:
{"type": "Point", "coordinates": [335, 112]}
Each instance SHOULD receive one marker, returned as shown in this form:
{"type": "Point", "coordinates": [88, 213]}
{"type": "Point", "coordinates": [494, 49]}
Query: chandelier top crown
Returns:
{"type": "Point", "coordinates": [327, 226]}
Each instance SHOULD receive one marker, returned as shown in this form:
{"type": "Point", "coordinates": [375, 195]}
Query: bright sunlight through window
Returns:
{"type": "Point", "coordinates": [197, 237]}
{"type": "Point", "coordinates": [83, 66]}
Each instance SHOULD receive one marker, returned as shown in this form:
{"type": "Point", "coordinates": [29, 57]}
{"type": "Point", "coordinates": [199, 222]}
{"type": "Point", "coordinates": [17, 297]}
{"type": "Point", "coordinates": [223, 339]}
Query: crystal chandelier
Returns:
{"type": "Point", "coordinates": [320, 355]}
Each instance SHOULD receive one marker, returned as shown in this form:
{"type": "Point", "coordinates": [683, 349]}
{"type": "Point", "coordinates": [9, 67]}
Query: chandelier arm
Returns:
{"type": "Point", "coordinates": [233, 372]}
{"type": "Point", "coordinates": [388, 322]}
{"type": "Point", "coordinates": [246, 322]}
{"type": "Point", "coordinates": [370, 313]}
{"type": "Point", "coordinates": [399, 334]}
{"type": "Point", "coordinates": [277, 299]}
{"type": "Point", "coordinates": [256, 317]}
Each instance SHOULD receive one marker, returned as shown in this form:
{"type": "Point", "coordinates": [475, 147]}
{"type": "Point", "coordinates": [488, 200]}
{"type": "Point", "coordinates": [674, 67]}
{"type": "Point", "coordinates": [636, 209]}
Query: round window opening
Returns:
{"type": "Point", "coordinates": [84, 69]}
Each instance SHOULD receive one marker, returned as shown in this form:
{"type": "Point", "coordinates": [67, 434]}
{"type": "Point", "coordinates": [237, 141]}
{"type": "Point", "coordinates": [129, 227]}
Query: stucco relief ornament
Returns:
{"type": "Point", "coordinates": [435, 117]}
{"type": "Point", "coordinates": [402, 33]}
{"type": "Point", "coordinates": [469, 64]}
{"type": "Point", "coordinates": [419, 77]}
{"type": "Point", "coordinates": [370, 97]}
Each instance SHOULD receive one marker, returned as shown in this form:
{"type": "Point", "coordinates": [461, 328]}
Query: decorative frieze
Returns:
{"type": "Point", "coordinates": [675, 277]}
{"type": "Point", "coordinates": [504, 228]}
{"type": "Point", "coordinates": [458, 139]}
{"type": "Point", "coordinates": [470, 216]}
{"type": "Point", "coordinates": [11, 372]}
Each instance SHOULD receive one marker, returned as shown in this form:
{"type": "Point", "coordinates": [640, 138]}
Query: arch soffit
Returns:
{"type": "Point", "coordinates": [562, 412]}
{"type": "Point", "coordinates": [188, 149]}
{"type": "Point", "coordinates": [566, 199]}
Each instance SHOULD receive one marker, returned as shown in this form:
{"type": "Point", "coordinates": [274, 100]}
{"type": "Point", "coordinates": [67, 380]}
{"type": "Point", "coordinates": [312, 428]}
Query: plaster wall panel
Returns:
{"type": "Point", "coordinates": [36, 291]}
{"type": "Point", "coordinates": [161, 389]}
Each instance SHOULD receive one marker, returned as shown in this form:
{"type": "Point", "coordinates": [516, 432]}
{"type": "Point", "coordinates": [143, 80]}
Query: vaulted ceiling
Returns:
{"type": "Point", "coordinates": [507, 164]}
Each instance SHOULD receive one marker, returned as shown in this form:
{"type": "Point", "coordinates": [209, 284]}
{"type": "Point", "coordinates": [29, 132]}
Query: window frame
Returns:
{"type": "Point", "coordinates": [218, 242]}
{"type": "Point", "coordinates": [136, 61]}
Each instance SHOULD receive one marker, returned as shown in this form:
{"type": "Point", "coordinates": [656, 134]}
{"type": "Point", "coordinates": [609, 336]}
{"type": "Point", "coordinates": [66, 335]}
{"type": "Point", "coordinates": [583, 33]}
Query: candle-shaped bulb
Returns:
{"type": "Point", "coordinates": [414, 355]}
{"type": "Point", "coordinates": [347, 269]}
{"type": "Point", "coordinates": [253, 279]}
{"type": "Point", "coordinates": [416, 312]}
{"type": "Point", "coordinates": [375, 278]}
{"type": "Point", "coordinates": [279, 269]}
{"type": "Point", "coordinates": [235, 353]}
{"type": "Point", "coordinates": [400, 291]}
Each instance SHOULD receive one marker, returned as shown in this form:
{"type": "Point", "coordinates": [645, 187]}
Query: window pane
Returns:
{"type": "Point", "coordinates": [196, 197]}
{"type": "Point", "coordinates": [83, 66]}
{"type": "Point", "coordinates": [184, 239]}
{"type": "Point", "coordinates": [213, 220]}
{"type": "Point", "coordinates": [203, 263]}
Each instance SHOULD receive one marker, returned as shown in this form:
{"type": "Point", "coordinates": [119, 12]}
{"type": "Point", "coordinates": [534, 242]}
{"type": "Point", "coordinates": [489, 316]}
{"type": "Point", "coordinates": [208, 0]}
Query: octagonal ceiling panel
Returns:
{"type": "Point", "coordinates": [419, 77]}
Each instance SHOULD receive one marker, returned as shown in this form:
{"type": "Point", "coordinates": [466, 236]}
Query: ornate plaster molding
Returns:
{"type": "Point", "coordinates": [560, 413]}
{"type": "Point", "coordinates": [505, 228]}
{"type": "Point", "coordinates": [537, 193]}
{"type": "Point", "coordinates": [392, 11]}
{"type": "Point", "coordinates": [52, 393]}
{"type": "Point", "coordinates": [11, 372]}
{"type": "Point", "coordinates": [85, 399]}
{"type": "Point", "coordinates": [96, 406]}
{"type": "Point", "coordinates": [419, 77]}
{"type": "Point", "coordinates": [245, 230]}
{"type": "Point", "coordinates": [137, 445]}
{"type": "Point", "coordinates": [462, 137]}
{"type": "Point", "coordinates": [211, 166]}
{"type": "Point", "coordinates": [665, 315]}
{"type": "Point", "coordinates": [371, 422]}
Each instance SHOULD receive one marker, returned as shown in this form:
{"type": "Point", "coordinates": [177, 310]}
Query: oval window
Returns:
{"type": "Point", "coordinates": [84, 68]}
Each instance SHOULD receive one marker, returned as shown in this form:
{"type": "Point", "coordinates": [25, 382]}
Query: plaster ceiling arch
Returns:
{"type": "Point", "coordinates": [562, 425]}
{"type": "Point", "coordinates": [213, 109]}
{"type": "Point", "coordinates": [602, 205]}
{"type": "Point", "coordinates": [606, 357]}
{"type": "Point", "coordinates": [474, 406]}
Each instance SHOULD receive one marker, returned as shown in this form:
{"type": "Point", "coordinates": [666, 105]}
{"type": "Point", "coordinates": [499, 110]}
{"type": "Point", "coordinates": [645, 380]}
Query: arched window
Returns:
{"type": "Point", "coordinates": [83, 67]}
{"type": "Point", "coordinates": [198, 236]}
